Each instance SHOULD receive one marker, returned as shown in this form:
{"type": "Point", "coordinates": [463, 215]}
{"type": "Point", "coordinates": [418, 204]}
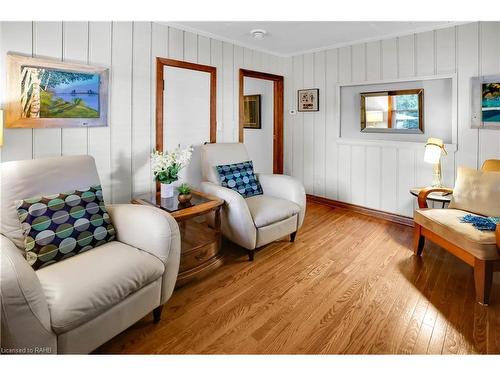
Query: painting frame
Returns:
{"type": "Point", "coordinates": [477, 102]}
{"type": "Point", "coordinates": [308, 100]}
{"type": "Point", "coordinates": [14, 117]}
{"type": "Point", "coordinates": [247, 123]}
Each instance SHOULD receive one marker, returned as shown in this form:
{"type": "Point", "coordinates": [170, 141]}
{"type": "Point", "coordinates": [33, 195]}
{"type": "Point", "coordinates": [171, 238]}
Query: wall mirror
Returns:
{"type": "Point", "coordinates": [399, 111]}
{"type": "Point", "coordinates": [185, 110]}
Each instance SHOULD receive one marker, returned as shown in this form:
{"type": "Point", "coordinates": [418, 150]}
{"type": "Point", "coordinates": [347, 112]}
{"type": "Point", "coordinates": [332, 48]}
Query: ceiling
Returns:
{"type": "Point", "coordinates": [292, 38]}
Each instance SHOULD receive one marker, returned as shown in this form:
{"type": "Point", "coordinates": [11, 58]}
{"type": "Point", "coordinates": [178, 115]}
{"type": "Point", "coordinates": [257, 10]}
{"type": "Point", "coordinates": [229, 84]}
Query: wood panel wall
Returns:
{"type": "Point", "coordinates": [129, 49]}
{"type": "Point", "coordinates": [372, 175]}
{"type": "Point", "coordinates": [380, 175]}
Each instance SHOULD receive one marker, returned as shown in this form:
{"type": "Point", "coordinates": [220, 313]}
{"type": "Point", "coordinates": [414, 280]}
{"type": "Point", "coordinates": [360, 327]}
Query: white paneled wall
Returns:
{"type": "Point", "coordinates": [375, 175]}
{"type": "Point", "coordinates": [129, 49]}
{"type": "Point", "coordinates": [379, 175]}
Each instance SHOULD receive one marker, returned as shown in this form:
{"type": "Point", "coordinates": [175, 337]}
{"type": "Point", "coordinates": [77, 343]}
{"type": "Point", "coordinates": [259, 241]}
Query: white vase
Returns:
{"type": "Point", "coordinates": [167, 190]}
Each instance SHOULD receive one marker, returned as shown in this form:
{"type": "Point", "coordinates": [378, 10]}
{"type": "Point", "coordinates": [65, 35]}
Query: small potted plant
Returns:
{"type": "Point", "coordinates": [166, 167]}
{"type": "Point", "coordinates": [184, 193]}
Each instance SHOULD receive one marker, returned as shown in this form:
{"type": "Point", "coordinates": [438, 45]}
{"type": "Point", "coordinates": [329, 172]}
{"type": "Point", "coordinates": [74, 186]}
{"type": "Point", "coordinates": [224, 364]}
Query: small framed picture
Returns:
{"type": "Point", "coordinates": [308, 100]}
{"type": "Point", "coordinates": [485, 102]}
{"type": "Point", "coordinates": [251, 112]}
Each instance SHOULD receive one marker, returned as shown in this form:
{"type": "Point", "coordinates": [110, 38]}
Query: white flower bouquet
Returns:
{"type": "Point", "coordinates": [167, 165]}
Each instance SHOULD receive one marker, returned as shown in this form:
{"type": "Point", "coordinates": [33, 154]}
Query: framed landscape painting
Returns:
{"type": "Point", "coordinates": [44, 93]}
{"type": "Point", "coordinates": [490, 102]}
{"type": "Point", "coordinates": [485, 102]}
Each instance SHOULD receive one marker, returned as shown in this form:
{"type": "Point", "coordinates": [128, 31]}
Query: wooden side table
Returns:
{"type": "Point", "coordinates": [434, 197]}
{"type": "Point", "coordinates": [200, 242]}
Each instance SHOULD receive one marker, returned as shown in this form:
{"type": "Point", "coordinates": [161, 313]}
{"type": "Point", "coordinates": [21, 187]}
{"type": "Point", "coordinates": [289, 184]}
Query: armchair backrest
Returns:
{"type": "Point", "coordinates": [491, 165]}
{"type": "Point", "coordinates": [29, 178]}
{"type": "Point", "coordinates": [213, 154]}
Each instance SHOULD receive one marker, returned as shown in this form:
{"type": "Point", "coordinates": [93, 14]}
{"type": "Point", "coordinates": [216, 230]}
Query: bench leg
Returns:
{"type": "Point", "coordinates": [483, 278]}
{"type": "Point", "coordinates": [418, 240]}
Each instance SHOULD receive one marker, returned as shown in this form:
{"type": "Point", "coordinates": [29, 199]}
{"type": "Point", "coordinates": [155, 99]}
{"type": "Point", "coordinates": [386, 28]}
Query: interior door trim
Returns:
{"type": "Point", "coordinates": [161, 62]}
{"type": "Point", "coordinates": [277, 113]}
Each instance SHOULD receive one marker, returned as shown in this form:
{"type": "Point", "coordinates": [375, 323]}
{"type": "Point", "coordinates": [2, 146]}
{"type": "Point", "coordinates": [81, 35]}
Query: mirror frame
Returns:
{"type": "Point", "coordinates": [389, 93]}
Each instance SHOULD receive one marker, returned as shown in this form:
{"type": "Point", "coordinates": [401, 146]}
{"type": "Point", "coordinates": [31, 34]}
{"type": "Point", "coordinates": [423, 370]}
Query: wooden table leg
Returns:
{"type": "Point", "coordinates": [217, 225]}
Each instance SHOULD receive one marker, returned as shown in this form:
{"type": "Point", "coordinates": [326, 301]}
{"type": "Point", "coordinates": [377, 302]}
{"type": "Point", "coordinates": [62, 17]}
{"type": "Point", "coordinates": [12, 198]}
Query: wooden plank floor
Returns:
{"type": "Point", "coordinates": [349, 284]}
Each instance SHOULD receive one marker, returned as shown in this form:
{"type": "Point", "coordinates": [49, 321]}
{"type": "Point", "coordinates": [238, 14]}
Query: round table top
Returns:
{"type": "Point", "coordinates": [436, 197]}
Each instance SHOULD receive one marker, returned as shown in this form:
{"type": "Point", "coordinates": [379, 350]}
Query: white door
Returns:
{"type": "Point", "coordinates": [186, 116]}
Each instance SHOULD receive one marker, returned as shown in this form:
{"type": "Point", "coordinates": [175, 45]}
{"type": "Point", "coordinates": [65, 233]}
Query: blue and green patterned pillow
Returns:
{"type": "Point", "coordinates": [240, 177]}
{"type": "Point", "coordinates": [60, 226]}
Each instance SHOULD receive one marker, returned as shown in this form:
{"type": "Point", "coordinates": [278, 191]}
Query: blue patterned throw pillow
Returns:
{"type": "Point", "coordinates": [240, 177]}
{"type": "Point", "coordinates": [60, 226]}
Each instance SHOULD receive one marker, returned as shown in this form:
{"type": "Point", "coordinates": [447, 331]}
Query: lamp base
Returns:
{"type": "Point", "coordinates": [437, 180]}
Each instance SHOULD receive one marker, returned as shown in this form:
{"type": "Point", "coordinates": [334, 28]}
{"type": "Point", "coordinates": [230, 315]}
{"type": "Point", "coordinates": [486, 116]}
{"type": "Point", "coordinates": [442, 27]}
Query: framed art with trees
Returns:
{"type": "Point", "coordinates": [44, 93]}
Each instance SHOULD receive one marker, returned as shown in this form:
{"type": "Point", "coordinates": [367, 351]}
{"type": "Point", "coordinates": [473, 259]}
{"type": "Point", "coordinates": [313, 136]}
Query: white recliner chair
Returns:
{"type": "Point", "coordinates": [75, 305]}
{"type": "Point", "coordinates": [255, 221]}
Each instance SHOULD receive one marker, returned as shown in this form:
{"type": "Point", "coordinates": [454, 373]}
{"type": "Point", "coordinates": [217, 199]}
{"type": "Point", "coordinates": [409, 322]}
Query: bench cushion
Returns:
{"type": "Point", "coordinates": [446, 223]}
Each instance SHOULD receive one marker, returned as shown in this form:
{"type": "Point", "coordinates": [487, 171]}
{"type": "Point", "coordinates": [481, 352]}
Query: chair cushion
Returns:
{"type": "Point", "coordinates": [84, 286]}
{"type": "Point", "coordinates": [477, 192]}
{"type": "Point", "coordinates": [240, 177]}
{"type": "Point", "coordinates": [446, 223]}
{"type": "Point", "coordinates": [60, 226]}
{"type": "Point", "coordinates": [267, 210]}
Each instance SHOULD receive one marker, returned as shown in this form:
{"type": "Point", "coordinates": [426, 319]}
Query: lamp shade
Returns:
{"type": "Point", "coordinates": [433, 150]}
{"type": "Point", "coordinates": [374, 116]}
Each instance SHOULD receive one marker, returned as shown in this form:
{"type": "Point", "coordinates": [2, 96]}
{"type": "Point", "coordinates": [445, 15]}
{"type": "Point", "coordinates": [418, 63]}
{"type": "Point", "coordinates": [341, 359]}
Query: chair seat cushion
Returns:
{"type": "Point", "coordinates": [83, 287]}
{"type": "Point", "coordinates": [446, 223]}
{"type": "Point", "coordinates": [267, 210]}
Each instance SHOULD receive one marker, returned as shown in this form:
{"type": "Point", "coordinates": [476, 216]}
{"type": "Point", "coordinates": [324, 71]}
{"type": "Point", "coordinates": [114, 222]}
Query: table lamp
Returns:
{"type": "Point", "coordinates": [433, 151]}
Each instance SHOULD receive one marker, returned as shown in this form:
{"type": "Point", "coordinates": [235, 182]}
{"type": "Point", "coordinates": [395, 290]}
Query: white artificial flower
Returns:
{"type": "Point", "coordinates": [162, 161]}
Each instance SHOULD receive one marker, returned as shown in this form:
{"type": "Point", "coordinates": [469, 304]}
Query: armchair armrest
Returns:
{"type": "Point", "coordinates": [25, 314]}
{"type": "Point", "coordinates": [151, 230]}
{"type": "Point", "coordinates": [422, 195]}
{"type": "Point", "coordinates": [236, 221]}
{"type": "Point", "coordinates": [286, 187]}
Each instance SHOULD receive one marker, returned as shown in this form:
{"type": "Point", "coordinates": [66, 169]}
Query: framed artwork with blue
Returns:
{"type": "Point", "coordinates": [45, 93]}
{"type": "Point", "coordinates": [485, 102]}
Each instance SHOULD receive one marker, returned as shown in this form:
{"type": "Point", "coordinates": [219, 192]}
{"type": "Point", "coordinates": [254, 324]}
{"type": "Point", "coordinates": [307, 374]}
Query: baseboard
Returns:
{"type": "Point", "coordinates": [395, 218]}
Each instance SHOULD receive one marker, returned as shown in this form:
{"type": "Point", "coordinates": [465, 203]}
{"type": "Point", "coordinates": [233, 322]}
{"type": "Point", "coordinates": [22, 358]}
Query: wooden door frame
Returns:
{"type": "Point", "coordinates": [277, 113]}
{"type": "Point", "coordinates": [161, 62]}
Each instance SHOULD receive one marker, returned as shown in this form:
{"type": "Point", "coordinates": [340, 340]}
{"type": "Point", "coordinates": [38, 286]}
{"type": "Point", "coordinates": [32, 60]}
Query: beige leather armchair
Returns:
{"type": "Point", "coordinates": [76, 305]}
{"type": "Point", "coordinates": [255, 221]}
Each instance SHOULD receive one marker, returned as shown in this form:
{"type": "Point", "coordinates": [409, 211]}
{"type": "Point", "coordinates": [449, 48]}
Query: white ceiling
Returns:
{"type": "Point", "coordinates": [292, 38]}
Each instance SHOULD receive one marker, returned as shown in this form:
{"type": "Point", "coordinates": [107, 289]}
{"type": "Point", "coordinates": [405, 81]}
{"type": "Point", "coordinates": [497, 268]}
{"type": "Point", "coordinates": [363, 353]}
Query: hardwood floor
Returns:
{"type": "Point", "coordinates": [349, 284]}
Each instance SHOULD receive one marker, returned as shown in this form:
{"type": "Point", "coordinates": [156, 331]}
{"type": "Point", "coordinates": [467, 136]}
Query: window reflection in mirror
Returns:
{"type": "Point", "coordinates": [398, 111]}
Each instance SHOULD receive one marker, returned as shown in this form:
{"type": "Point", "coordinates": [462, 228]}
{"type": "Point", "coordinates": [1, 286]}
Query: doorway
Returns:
{"type": "Point", "coordinates": [262, 95]}
{"type": "Point", "coordinates": [185, 110]}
